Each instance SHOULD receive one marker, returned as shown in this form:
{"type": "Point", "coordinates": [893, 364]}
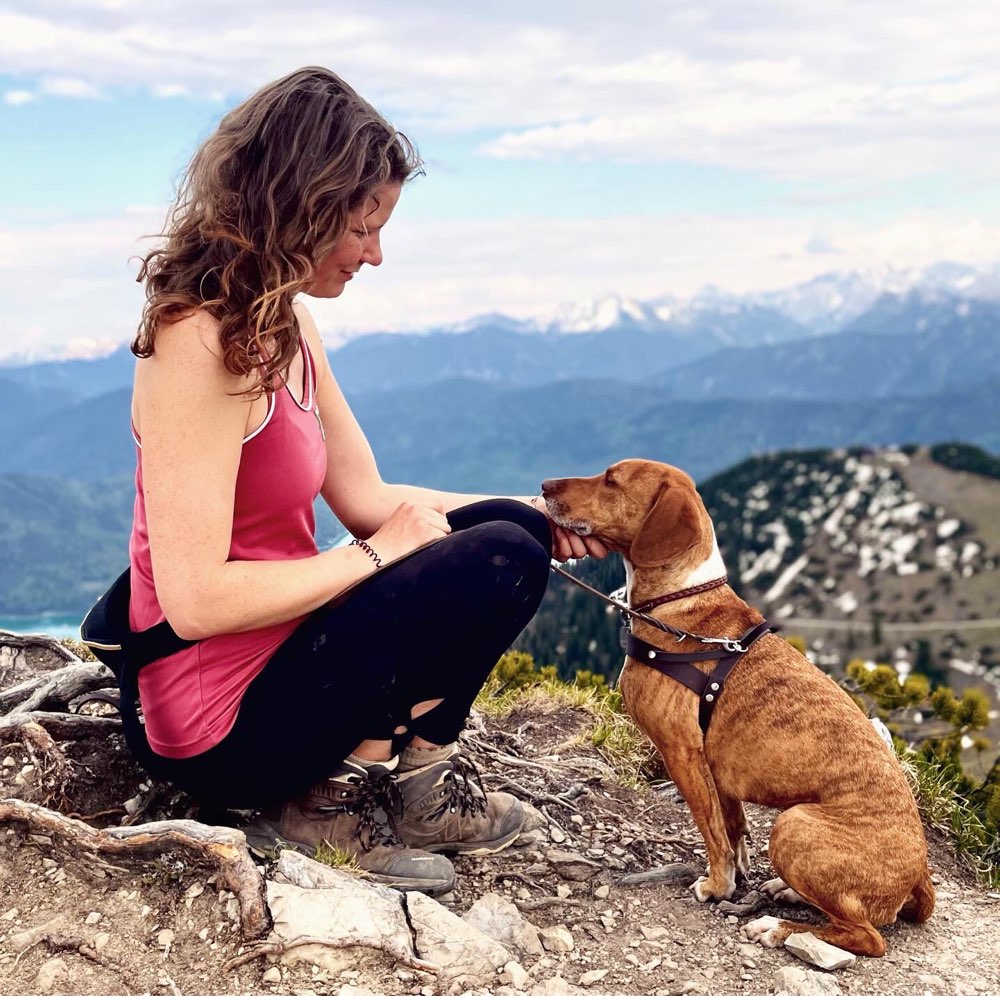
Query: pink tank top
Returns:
{"type": "Point", "coordinates": [190, 699]}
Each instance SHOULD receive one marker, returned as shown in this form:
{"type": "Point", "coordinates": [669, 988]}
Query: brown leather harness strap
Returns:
{"type": "Point", "coordinates": [708, 687]}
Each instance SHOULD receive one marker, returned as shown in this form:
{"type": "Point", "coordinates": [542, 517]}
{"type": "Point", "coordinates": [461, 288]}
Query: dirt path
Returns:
{"type": "Point", "coordinates": [170, 932]}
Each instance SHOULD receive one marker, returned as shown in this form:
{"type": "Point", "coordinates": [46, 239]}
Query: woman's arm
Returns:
{"type": "Point", "coordinates": [192, 419]}
{"type": "Point", "coordinates": [354, 489]}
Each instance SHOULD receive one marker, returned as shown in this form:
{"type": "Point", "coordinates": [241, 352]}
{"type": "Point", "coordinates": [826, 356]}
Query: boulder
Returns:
{"type": "Point", "coordinates": [500, 919]}
{"type": "Point", "coordinates": [364, 924]}
{"type": "Point", "coordinates": [460, 950]}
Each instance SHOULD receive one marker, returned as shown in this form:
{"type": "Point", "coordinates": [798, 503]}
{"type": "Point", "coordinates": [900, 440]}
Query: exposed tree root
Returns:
{"type": "Point", "coordinates": [67, 942]}
{"type": "Point", "coordinates": [64, 725]}
{"type": "Point", "coordinates": [265, 948]}
{"type": "Point", "coordinates": [221, 848]}
{"type": "Point", "coordinates": [55, 688]}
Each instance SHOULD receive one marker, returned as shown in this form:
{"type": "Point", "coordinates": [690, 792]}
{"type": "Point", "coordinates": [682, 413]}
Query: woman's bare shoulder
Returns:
{"type": "Point", "coordinates": [187, 365]}
{"type": "Point", "coordinates": [191, 335]}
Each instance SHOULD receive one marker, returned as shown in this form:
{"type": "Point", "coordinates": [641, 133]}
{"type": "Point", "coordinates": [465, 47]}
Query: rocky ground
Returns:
{"type": "Point", "coordinates": [102, 929]}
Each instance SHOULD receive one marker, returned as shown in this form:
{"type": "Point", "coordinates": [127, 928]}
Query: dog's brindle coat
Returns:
{"type": "Point", "coordinates": [784, 735]}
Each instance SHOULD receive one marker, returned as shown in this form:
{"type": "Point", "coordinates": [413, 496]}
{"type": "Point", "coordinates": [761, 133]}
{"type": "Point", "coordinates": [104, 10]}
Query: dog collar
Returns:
{"type": "Point", "coordinates": [683, 593]}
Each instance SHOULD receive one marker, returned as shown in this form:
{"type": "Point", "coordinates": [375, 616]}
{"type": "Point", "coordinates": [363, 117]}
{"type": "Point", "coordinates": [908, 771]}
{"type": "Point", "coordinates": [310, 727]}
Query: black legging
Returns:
{"type": "Point", "coordinates": [430, 626]}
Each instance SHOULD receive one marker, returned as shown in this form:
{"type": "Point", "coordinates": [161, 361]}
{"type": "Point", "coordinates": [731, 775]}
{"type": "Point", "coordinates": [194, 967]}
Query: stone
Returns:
{"type": "Point", "coordinates": [556, 939]}
{"type": "Point", "coordinates": [556, 986]}
{"type": "Point", "coordinates": [500, 919]}
{"type": "Point", "coordinates": [92, 919]}
{"type": "Point", "coordinates": [165, 938]}
{"type": "Point", "coordinates": [571, 866]}
{"type": "Point", "coordinates": [272, 976]}
{"type": "Point", "coordinates": [810, 948]}
{"type": "Point", "coordinates": [101, 939]}
{"type": "Point", "coordinates": [533, 819]}
{"type": "Point", "coordinates": [53, 973]}
{"type": "Point", "coordinates": [24, 939]}
{"type": "Point", "coordinates": [457, 947]}
{"type": "Point", "coordinates": [557, 835]}
{"type": "Point", "coordinates": [12, 914]}
{"type": "Point", "coordinates": [515, 974]}
{"type": "Point", "coordinates": [350, 990]}
{"type": "Point", "coordinates": [791, 981]}
{"type": "Point", "coordinates": [655, 933]}
{"type": "Point", "coordinates": [593, 977]}
{"type": "Point", "coordinates": [348, 908]}
{"type": "Point", "coordinates": [563, 891]}
{"type": "Point", "coordinates": [602, 892]}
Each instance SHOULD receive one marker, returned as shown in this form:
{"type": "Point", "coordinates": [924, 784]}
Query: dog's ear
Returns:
{"type": "Point", "coordinates": [670, 528]}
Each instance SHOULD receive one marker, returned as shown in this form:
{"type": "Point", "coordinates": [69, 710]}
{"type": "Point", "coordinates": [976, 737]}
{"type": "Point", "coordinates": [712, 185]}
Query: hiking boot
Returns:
{"type": "Point", "coordinates": [355, 810]}
{"type": "Point", "coordinates": [446, 808]}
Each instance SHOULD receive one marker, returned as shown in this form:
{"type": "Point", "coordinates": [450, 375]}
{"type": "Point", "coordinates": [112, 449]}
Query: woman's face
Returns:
{"type": "Point", "coordinates": [359, 244]}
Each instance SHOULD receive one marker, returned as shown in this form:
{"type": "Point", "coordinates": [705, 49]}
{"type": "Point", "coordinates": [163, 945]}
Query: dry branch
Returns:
{"type": "Point", "coordinates": [55, 688]}
{"type": "Point", "coordinates": [36, 641]}
{"type": "Point", "coordinates": [221, 848]}
{"type": "Point", "coordinates": [62, 725]}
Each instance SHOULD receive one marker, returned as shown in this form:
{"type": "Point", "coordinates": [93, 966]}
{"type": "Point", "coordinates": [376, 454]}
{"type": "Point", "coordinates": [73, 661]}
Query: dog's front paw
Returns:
{"type": "Point", "coordinates": [766, 931]}
{"type": "Point", "coordinates": [703, 890]}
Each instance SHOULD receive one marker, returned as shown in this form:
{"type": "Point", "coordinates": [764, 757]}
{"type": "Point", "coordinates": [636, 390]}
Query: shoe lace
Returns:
{"type": "Point", "coordinates": [376, 801]}
{"type": "Point", "coordinates": [460, 790]}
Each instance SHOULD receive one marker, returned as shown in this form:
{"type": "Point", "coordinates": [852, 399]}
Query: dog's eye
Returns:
{"type": "Point", "coordinates": [608, 479]}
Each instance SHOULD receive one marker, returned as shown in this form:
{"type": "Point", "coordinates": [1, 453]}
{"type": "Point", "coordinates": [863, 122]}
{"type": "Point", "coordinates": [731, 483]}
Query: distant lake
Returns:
{"type": "Point", "coordinates": [51, 625]}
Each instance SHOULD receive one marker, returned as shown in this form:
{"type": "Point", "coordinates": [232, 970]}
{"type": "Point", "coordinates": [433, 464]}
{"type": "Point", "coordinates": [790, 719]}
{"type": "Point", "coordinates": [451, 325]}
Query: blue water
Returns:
{"type": "Point", "coordinates": [51, 625]}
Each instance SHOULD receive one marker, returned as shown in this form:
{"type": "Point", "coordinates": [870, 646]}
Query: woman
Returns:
{"type": "Point", "coordinates": [326, 687]}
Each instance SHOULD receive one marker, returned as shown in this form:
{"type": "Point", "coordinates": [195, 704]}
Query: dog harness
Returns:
{"type": "Point", "coordinates": [728, 652]}
{"type": "Point", "coordinates": [708, 686]}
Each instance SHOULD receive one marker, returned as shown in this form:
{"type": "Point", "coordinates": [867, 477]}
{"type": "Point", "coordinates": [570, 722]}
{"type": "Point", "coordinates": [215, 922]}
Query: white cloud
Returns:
{"type": "Point", "coordinates": [18, 97]}
{"type": "Point", "coordinates": [76, 281]}
{"type": "Point", "coordinates": [168, 90]}
{"type": "Point", "coordinates": [789, 89]}
{"type": "Point", "coordinates": [67, 86]}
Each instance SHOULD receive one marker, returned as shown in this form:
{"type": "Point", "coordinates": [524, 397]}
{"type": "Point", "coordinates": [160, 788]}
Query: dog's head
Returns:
{"type": "Point", "coordinates": [648, 511]}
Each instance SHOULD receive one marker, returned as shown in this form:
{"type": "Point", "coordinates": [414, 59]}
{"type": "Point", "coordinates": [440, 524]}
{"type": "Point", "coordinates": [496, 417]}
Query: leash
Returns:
{"type": "Point", "coordinates": [615, 599]}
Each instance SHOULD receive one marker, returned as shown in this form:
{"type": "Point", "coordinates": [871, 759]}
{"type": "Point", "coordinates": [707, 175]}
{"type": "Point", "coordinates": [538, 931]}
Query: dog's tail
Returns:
{"type": "Point", "coordinates": [920, 904]}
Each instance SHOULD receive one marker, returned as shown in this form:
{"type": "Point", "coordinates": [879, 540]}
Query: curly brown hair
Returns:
{"type": "Point", "coordinates": [262, 201]}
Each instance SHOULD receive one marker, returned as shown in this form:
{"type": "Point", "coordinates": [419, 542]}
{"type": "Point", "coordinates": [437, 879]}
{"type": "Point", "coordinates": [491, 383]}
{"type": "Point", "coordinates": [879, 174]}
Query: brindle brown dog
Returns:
{"type": "Point", "coordinates": [783, 734]}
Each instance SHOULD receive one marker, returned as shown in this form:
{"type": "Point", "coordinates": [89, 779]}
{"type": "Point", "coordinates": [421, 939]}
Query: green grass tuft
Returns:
{"type": "Point", "coordinates": [337, 857]}
{"type": "Point", "coordinates": [944, 807]}
{"type": "Point", "coordinates": [516, 681]}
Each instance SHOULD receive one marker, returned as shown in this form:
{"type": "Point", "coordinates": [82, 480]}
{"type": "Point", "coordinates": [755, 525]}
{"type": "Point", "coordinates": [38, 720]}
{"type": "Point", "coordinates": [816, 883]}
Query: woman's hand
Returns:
{"type": "Point", "coordinates": [567, 545]}
{"type": "Point", "coordinates": [409, 527]}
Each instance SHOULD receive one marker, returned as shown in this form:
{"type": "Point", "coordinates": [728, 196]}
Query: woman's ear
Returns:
{"type": "Point", "coordinates": [671, 528]}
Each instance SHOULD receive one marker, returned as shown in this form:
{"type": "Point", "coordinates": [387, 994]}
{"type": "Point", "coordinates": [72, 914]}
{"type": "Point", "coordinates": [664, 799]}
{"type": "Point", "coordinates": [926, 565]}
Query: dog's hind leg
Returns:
{"type": "Point", "coordinates": [809, 851]}
{"type": "Point", "coordinates": [858, 937]}
{"type": "Point", "coordinates": [736, 828]}
{"type": "Point", "coordinates": [920, 903]}
{"type": "Point", "coordinates": [780, 891]}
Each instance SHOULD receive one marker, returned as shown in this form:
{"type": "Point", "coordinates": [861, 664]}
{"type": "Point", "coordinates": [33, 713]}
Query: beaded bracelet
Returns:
{"type": "Point", "coordinates": [371, 553]}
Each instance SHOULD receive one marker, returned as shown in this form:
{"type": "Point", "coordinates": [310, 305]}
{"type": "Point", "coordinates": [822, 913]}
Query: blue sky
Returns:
{"type": "Point", "coordinates": [573, 150]}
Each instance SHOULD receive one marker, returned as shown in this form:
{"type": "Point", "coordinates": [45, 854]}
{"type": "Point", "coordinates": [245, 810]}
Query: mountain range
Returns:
{"type": "Point", "coordinates": [497, 404]}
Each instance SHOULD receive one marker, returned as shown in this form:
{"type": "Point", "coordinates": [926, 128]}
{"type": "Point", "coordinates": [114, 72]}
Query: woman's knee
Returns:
{"type": "Point", "coordinates": [496, 510]}
{"type": "Point", "coordinates": [508, 559]}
